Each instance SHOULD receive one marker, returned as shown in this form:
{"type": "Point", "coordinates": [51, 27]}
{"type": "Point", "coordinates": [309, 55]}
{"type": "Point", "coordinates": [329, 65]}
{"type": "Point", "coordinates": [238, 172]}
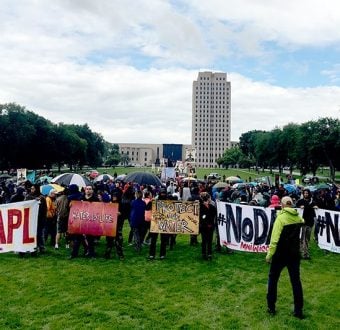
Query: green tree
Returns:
{"type": "Point", "coordinates": [230, 157]}
{"type": "Point", "coordinates": [125, 159]}
{"type": "Point", "coordinates": [248, 145]}
{"type": "Point", "coordinates": [71, 148]}
{"type": "Point", "coordinates": [114, 157]}
{"type": "Point", "coordinates": [290, 136]}
{"type": "Point", "coordinates": [95, 146]}
{"type": "Point", "coordinates": [27, 140]}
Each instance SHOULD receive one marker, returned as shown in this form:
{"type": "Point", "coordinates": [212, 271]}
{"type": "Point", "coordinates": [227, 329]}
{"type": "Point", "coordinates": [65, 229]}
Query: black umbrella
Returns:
{"type": "Point", "coordinates": [143, 178]}
{"type": "Point", "coordinates": [71, 178]}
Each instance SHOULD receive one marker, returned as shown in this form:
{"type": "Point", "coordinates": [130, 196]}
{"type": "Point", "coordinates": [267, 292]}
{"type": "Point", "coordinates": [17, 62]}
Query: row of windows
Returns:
{"type": "Point", "coordinates": [215, 144]}
{"type": "Point", "coordinates": [133, 153]}
{"type": "Point", "coordinates": [211, 107]}
{"type": "Point", "coordinates": [212, 123]}
{"type": "Point", "coordinates": [213, 119]}
{"type": "Point", "coordinates": [132, 158]}
{"type": "Point", "coordinates": [216, 78]}
{"type": "Point", "coordinates": [211, 89]}
{"type": "Point", "coordinates": [212, 102]}
{"type": "Point", "coordinates": [211, 155]}
{"type": "Point", "coordinates": [212, 135]}
{"type": "Point", "coordinates": [211, 99]}
{"type": "Point", "coordinates": [211, 112]}
{"type": "Point", "coordinates": [211, 95]}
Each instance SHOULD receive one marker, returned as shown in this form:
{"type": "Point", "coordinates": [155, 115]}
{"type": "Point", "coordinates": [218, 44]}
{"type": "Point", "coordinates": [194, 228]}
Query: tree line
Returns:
{"type": "Point", "coordinates": [305, 147]}
{"type": "Point", "coordinates": [28, 140]}
{"type": "Point", "coordinates": [31, 141]}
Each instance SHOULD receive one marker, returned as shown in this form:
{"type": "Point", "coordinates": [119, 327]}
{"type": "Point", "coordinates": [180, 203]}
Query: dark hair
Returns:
{"type": "Point", "coordinates": [205, 197]}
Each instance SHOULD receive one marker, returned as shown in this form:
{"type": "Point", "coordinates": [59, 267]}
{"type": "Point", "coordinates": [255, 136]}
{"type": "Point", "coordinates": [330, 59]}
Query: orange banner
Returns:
{"type": "Point", "coordinates": [96, 218]}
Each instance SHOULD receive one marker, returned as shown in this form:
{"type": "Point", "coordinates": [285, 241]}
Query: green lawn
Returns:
{"type": "Point", "coordinates": [245, 174]}
{"type": "Point", "coordinates": [181, 292]}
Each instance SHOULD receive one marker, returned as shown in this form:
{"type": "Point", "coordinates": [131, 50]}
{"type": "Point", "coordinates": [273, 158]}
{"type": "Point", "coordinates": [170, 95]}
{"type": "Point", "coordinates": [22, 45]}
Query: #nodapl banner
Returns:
{"type": "Point", "coordinates": [328, 230]}
{"type": "Point", "coordinates": [248, 228]}
{"type": "Point", "coordinates": [244, 227]}
{"type": "Point", "coordinates": [18, 226]}
{"type": "Point", "coordinates": [174, 217]}
{"type": "Point", "coordinates": [96, 218]}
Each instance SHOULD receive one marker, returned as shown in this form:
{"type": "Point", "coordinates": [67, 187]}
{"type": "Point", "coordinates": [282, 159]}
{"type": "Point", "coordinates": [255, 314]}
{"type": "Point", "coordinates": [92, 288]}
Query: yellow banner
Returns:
{"type": "Point", "coordinates": [175, 217]}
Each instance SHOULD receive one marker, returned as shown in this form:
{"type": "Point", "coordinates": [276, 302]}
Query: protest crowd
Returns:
{"type": "Point", "coordinates": [135, 202]}
{"type": "Point", "coordinates": [134, 205]}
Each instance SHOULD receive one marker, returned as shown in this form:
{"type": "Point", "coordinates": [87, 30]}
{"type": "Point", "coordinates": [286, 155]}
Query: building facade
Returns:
{"type": "Point", "coordinates": [211, 117]}
{"type": "Point", "coordinates": [139, 154]}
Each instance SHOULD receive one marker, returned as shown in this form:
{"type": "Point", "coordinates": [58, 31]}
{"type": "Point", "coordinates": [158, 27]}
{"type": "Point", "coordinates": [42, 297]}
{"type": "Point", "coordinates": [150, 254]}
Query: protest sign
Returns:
{"type": "Point", "coordinates": [244, 227]}
{"type": "Point", "coordinates": [96, 218]}
{"type": "Point", "coordinates": [328, 230]}
{"type": "Point", "coordinates": [18, 226]}
{"type": "Point", "coordinates": [21, 175]}
{"type": "Point", "coordinates": [175, 217]}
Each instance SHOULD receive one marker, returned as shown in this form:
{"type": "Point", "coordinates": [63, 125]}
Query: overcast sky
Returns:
{"type": "Point", "coordinates": [126, 67]}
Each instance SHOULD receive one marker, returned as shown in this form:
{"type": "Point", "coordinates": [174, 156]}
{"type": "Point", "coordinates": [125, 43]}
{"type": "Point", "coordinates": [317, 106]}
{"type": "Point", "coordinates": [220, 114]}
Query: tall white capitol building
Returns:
{"type": "Point", "coordinates": [210, 117]}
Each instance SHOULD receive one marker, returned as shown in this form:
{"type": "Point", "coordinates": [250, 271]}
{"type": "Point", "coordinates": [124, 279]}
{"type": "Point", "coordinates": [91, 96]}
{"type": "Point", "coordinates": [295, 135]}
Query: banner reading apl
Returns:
{"type": "Point", "coordinates": [18, 226]}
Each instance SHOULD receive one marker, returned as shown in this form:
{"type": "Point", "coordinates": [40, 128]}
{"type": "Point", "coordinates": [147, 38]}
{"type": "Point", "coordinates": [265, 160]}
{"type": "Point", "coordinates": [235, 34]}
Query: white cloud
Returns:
{"type": "Point", "coordinates": [258, 105]}
{"type": "Point", "coordinates": [75, 62]}
{"type": "Point", "coordinates": [294, 23]}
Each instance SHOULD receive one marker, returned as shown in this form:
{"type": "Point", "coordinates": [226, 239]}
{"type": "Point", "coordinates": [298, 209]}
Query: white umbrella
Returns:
{"type": "Point", "coordinates": [67, 179]}
{"type": "Point", "coordinates": [103, 177]}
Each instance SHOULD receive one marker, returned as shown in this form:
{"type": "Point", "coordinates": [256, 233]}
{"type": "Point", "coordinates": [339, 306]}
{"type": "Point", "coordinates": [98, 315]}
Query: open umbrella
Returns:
{"type": "Point", "coordinates": [290, 188]}
{"type": "Point", "coordinates": [46, 188]}
{"type": "Point", "coordinates": [220, 185]}
{"type": "Point", "coordinates": [318, 187]}
{"type": "Point", "coordinates": [44, 179]}
{"type": "Point", "coordinates": [71, 178]}
{"type": "Point", "coordinates": [143, 178]}
{"type": "Point", "coordinates": [121, 177]}
{"type": "Point", "coordinates": [5, 176]}
{"type": "Point", "coordinates": [233, 179]}
{"type": "Point", "coordinates": [189, 179]}
{"type": "Point", "coordinates": [103, 177]}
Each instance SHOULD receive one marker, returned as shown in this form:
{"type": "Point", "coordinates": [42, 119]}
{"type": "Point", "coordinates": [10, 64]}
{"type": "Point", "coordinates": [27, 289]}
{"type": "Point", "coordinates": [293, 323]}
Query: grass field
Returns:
{"type": "Point", "coordinates": [181, 292]}
{"type": "Point", "coordinates": [245, 174]}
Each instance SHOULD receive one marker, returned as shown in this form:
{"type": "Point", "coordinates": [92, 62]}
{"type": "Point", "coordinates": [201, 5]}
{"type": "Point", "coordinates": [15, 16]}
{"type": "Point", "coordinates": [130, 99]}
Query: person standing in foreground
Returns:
{"type": "Point", "coordinates": [284, 251]}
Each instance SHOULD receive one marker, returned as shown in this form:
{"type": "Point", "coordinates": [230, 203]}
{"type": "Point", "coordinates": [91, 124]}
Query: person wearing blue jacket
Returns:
{"type": "Point", "coordinates": [137, 218]}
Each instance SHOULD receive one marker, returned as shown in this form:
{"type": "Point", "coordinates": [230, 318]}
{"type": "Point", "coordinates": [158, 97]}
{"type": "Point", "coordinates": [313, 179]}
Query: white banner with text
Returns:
{"type": "Point", "coordinates": [18, 226]}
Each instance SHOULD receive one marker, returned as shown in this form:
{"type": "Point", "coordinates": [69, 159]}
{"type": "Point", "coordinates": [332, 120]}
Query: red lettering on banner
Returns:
{"type": "Point", "coordinates": [253, 248]}
{"type": "Point", "coordinates": [2, 231]}
{"type": "Point", "coordinates": [13, 225]}
{"type": "Point", "coordinates": [26, 238]}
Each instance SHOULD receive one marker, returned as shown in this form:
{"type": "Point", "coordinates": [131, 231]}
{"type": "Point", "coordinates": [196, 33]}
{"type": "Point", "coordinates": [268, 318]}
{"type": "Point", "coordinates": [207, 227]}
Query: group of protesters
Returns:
{"type": "Point", "coordinates": [134, 205]}
{"type": "Point", "coordinates": [289, 242]}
